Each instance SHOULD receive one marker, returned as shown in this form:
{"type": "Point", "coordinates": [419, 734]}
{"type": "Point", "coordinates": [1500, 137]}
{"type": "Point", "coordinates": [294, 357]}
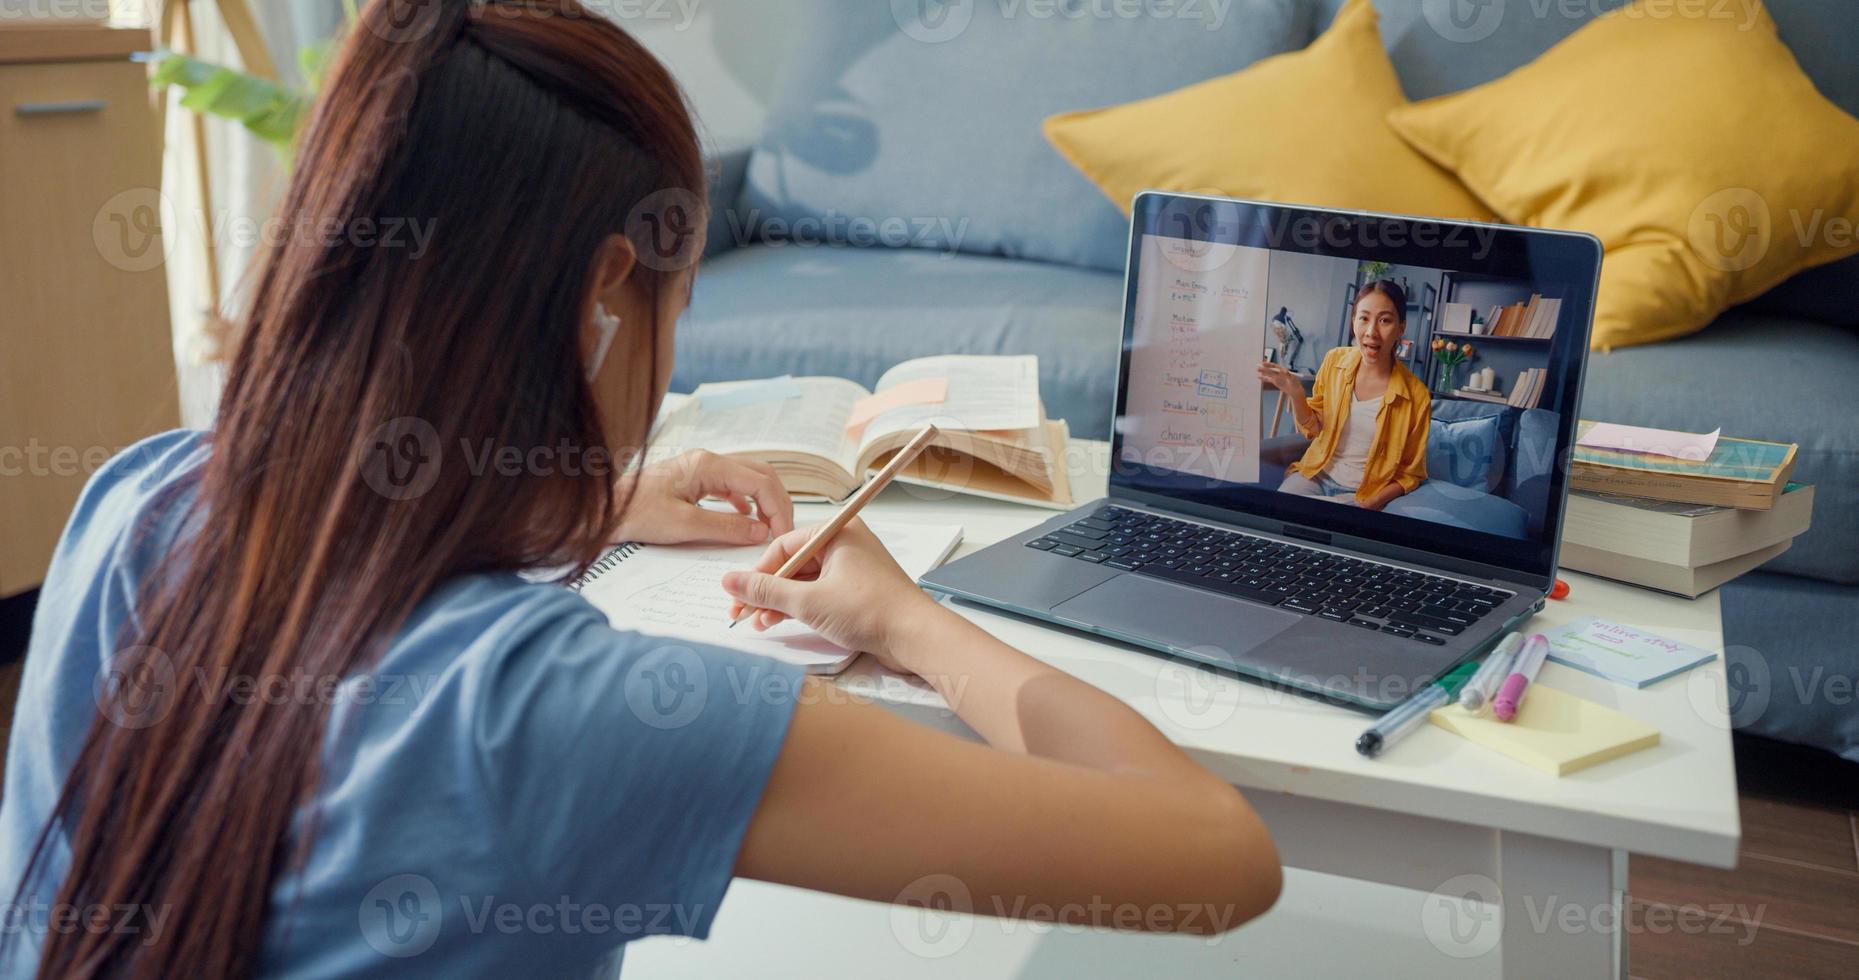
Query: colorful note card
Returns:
{"type": "Point", "coordinates": [922, 391]}
{"type": "Point", "coordinates": [737, 394]}
{"type": "Point", "coordinates": [1622, 654]}
{"type": "Point", "coordinates": [1554, 731]}
{"type": "Point", "coordinates": [1656, 442]}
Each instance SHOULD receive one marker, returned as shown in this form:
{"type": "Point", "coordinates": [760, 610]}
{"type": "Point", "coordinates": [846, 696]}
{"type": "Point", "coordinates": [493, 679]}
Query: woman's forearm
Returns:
{"type": "Point", "coordinates": [1385, 496]}
{"type": "Point", "coordinates": [1020, 704]}
{"type": "Point", "coordinates": [1306, 417]}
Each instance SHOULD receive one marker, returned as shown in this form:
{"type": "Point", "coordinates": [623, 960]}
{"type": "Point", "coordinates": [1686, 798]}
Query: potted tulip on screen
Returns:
{"type": "Point", "coordinates": [1448, 354]}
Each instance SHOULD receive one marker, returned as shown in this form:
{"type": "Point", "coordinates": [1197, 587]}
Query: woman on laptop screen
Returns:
{"type": "Point", "coordinates": [1368, 416]}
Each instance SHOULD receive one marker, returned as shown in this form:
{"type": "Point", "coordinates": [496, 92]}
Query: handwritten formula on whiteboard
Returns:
{"type": "Point", "coordinates": [1200, 318]}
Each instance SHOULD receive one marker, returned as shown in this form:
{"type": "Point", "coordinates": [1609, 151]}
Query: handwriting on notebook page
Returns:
{"type": "Point", "coordinates": [679, 592]}
{"type": "Point", "coordinates": [688, 601]}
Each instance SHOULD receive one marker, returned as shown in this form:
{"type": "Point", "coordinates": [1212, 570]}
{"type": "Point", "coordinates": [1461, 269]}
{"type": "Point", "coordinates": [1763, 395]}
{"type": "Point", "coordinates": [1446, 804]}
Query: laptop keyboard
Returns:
{"type": "Point", "coordinates": [1365, 594]}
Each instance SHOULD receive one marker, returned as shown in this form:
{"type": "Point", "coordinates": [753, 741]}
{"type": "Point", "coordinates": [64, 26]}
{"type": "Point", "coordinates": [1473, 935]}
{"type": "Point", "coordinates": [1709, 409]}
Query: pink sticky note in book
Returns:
{"type": "Point", "coordinates": [1656, 442]}
{"type": "Point", "coordinates": [923, 391]}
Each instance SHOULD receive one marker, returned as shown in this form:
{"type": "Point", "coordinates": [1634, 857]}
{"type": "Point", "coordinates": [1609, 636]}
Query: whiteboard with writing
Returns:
{"type": "Point", "coordinates": [1199, 333]}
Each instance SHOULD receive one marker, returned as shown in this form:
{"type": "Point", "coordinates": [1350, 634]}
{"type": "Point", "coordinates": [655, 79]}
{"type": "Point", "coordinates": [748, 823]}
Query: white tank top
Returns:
{"type": "Point", "coordinates": [1353, 443]}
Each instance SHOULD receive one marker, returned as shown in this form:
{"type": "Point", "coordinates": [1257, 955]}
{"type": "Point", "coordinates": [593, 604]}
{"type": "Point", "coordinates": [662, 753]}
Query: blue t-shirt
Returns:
{"type": "Point", "coordinates": [515, 788]}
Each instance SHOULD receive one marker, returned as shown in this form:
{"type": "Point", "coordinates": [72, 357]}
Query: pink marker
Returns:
{"type": "Point", "coordinates": [1529, 661]}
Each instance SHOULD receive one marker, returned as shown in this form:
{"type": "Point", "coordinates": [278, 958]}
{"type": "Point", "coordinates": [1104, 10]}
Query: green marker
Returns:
{"type": "Point", "coordinates": [1395, 725]}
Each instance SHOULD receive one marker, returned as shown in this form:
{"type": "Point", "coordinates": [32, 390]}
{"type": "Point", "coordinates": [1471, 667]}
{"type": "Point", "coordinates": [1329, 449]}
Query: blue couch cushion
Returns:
{"type": "Point", "coordinates": [854, 312]}
{"type": "Point", "coordinates": [1787, 644]}
{"type": "Point", "coordinates": [923, 117]}
{"type": "Point", "coordinates": [1827, 294]}
{"type": "Point", "coordinates": [1441, 46]}
{"type": "Point", "coordinates": [1456, 506]}
{"type": "Point", "coordinates": [1468, 450]}
{"type": "Point", "coordinates": [1759, 377]}
{"type": "Point", "coordinates": [1533, 459]}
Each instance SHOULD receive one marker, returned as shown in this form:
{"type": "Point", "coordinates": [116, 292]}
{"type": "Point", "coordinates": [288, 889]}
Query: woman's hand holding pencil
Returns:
{"type": "Point", "coordinates": [856, 590]}
{"type": "Point", "coordinates": [852, 592]}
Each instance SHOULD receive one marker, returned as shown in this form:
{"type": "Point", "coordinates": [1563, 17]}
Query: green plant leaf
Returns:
{"type": "Point", "coordinates": [230, 95]}
{"type": "Point", "coordinates": [173, 68]}
{"type": "Point", "coordinates": [313, 60]}
{"type": "Point", "coordinates": [268, 109]}
{"type": "Point", "coordinates": [278, 124]}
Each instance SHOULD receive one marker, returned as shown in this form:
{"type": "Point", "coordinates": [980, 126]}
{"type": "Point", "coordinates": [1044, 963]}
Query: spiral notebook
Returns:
{"type": "Point", "coordinates": [678, 592]}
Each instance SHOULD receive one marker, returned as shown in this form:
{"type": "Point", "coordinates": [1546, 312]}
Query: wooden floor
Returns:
{"type": "Point", "coordinates": [1789, 910]}
{"type": "Point", "coordinates": [1791, 907]}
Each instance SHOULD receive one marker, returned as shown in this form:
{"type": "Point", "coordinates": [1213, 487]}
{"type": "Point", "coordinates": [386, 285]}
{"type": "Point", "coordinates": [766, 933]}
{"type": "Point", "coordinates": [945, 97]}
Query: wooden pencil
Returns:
{"type": "Point", "coordinates": [832, 527]}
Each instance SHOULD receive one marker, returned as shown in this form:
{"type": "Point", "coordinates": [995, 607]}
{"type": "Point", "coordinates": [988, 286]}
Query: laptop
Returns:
{"type": "Point", "coordinates": [1231, 536]}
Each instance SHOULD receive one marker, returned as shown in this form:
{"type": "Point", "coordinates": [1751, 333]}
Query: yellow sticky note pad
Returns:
{"type": "Point", "coordinates": [1554, 731]}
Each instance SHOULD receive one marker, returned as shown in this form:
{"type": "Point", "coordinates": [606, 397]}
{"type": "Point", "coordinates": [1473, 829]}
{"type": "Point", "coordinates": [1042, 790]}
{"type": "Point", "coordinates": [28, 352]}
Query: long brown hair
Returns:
{"type": "Point", "coordinates": [523, 135]}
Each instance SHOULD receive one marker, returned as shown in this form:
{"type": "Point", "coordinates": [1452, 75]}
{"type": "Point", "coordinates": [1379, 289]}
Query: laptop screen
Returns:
{"type": "Point", "coordinates": [1402, 381]}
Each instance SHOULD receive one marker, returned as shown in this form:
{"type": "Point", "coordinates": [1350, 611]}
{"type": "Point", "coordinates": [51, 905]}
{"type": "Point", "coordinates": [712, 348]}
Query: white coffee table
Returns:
{"type": "Point", "coordinates": [1383, 852]}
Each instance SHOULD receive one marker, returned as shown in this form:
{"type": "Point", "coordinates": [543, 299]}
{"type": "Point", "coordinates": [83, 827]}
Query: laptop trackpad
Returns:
{"type": "Point", "coordinates": [1213, 626]}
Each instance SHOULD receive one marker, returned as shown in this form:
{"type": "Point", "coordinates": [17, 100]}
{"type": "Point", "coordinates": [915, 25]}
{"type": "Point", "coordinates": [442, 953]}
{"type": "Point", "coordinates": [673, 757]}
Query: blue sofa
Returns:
{"type": "Point", "coordinates": [1487, 467]}
{"type": "Point", "coordinates": [902, 202]}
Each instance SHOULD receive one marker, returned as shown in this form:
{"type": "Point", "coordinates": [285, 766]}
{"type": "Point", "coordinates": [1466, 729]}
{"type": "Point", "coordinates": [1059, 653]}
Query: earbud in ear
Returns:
{"type": "Point", "coordinates": [605, 324]}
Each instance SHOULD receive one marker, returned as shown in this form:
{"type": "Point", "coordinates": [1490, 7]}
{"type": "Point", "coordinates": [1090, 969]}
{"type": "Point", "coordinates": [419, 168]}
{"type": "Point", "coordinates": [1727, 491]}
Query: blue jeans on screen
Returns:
{"type": "Point", "coordinates": [1322, 487]}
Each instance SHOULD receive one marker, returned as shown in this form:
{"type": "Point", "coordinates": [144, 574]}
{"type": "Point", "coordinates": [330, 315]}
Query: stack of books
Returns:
{"type": "Point", "coordinates": [1533, 320]}
{"type": "Point", "coordinates": [1683, 526]}
{"type": "Point", "coordinates": [1494, 397]}
{"type": "Point", "coordinates": [1527, 391]}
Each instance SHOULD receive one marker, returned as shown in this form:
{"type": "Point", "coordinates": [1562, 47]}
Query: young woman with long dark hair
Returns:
{"type": "Point", "coordinates": [290, 708]}
{"type": "Point", "coordinates": [1367, 416]}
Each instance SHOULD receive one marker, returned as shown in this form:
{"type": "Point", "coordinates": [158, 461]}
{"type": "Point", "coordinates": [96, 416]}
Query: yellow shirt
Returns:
{"type": "Point", "coordinates": [1399, 452]}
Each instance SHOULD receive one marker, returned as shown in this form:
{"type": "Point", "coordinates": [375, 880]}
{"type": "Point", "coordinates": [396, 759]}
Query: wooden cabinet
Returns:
{"type": "Point", "coordinates": [86, 356]}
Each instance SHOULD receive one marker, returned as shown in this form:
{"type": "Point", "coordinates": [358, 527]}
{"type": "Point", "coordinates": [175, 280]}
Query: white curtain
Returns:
{"type": "Point", "coordinates": [726, 53]}
{"type": "Point", "coordinates": [244, 180]}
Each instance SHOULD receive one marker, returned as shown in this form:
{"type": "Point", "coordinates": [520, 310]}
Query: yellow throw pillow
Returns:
{"type": "Point", "coordinates": [1308, 127]}
{"type": "Point", "coordinates": [1684, 138]}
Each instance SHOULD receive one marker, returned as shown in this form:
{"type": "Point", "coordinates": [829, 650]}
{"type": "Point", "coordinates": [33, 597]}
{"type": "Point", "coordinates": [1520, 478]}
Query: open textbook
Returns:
{"type": "Point", "coordinates": [678, 592]}
{"type": "Point", "coordinates": [824, 436]}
